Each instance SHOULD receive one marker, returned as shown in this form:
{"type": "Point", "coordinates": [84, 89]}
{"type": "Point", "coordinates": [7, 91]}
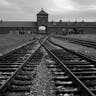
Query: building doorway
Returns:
{"type": "Point", "coordinates": [42, 29]}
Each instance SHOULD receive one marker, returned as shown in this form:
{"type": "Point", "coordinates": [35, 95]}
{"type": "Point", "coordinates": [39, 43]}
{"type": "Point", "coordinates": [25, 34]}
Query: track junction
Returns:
{"type": "Point", "coordinates": [63, 72]}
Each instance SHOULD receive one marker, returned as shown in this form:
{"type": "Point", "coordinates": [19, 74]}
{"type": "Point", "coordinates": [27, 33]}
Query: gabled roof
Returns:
{"type": "Point", "coordinates": [50, 24]}
{"type": "Point", "coordinates": [72, 24]}
{"type": "Point", "coordinates": [17, 24]}
{"type": "Point", "coordinates": [42, 12]}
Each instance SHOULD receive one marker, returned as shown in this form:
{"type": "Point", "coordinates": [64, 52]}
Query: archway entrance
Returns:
{"type": "Point", "coordinates": [42, 29]}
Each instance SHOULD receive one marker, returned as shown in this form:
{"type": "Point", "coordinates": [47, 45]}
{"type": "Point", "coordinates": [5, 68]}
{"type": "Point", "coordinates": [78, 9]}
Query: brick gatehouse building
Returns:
{"type": "Point", "coordinates": [43, 26]}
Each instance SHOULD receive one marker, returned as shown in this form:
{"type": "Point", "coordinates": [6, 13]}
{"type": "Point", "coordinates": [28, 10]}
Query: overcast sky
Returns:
{"type": "Point", "coordinates": [57, 9]}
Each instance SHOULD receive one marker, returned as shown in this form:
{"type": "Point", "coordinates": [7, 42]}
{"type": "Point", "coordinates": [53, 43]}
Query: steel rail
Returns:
{"type": "Point", "coordinates": [90, 59]}
{"type": "Point", "coordinates": [15, 49]}
{"type": "Point", "coordinates": [71, 75]}
{"type": "Point", "coordinates": [7, 83]}
{"type": "Point", "coordinates": [80, 42]}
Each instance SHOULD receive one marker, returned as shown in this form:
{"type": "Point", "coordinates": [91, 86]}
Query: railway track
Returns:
{"type": "Point", "coordinates": [22, 82]}
{"type": "Point", "coordinates": [11, 64]}
{"type": "Point", "coordinates": [74, 74]}
{"type": "Point", "coordinates": [80, 42]}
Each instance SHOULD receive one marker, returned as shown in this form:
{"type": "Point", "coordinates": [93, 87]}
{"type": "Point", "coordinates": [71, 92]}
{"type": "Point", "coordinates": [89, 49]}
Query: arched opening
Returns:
{"type": "Point", "coordinates": [70, 31]}
{"type": "Point", "coordinates": [42, 29]}
{"type": "Point", "coordinates": [64, 31]}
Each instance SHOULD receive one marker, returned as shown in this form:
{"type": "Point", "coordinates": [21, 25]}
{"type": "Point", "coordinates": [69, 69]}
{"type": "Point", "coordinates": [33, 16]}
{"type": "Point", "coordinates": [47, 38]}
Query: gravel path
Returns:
{"type": "Point", "coordinates": [42, 84]}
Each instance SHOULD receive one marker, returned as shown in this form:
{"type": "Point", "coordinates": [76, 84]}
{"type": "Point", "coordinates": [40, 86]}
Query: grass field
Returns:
{"type": "Point", "coordinates": [90, 37]}
{"type": "Point", "coordinates": [8, 42]}
{"type": "Point", "coordinates": [90, 52]}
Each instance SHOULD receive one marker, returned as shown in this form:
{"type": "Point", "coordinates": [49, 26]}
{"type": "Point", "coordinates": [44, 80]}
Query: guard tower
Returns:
{"type": "Point", "coordinates": [42, 21]}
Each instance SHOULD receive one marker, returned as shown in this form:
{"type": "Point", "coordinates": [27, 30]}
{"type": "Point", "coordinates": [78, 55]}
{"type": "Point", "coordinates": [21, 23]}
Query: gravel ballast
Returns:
{"type": "Point", "coordinates": [42, 84]}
